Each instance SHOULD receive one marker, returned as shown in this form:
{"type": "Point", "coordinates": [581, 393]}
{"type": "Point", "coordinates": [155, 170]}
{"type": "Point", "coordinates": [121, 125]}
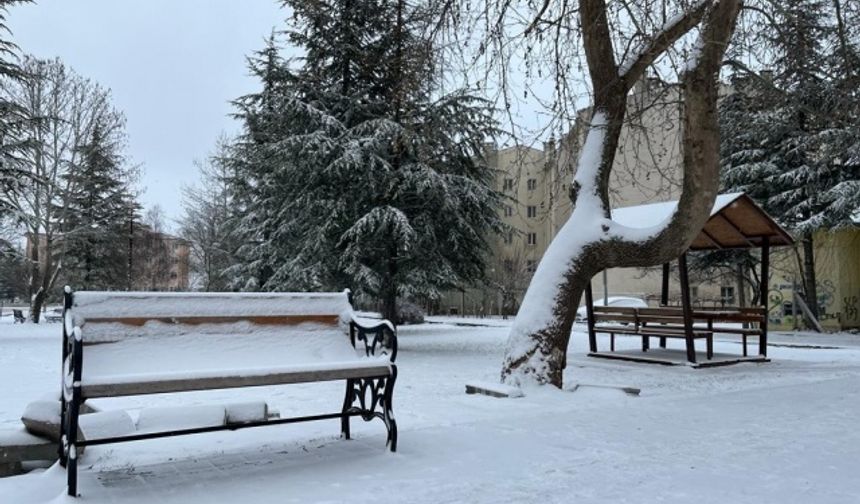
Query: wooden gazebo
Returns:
{"type": "Point", "coordinates": [736, 222]}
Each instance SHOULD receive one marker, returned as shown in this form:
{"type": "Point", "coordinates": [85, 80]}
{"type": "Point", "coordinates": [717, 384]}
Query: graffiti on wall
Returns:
{"type": "Point", "coordinates": [850, 311]}
{"type": "Point", "coordinates": [845, 311]}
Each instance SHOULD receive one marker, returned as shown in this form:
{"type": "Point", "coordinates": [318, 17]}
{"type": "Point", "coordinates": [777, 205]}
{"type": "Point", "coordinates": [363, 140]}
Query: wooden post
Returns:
{"type": "Point", "coordinates": [589, 312]}
{"type": "Point", "coordinates": [664, 293]}
{"type": "Point", "coordinates": [765, 271]}
{"type": "Point", "coordinates": [686, 307]}
{"type": "Point", "coordinates": [664, 296]}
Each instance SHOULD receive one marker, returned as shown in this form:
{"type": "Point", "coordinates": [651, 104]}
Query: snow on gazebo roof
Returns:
{"type": "Point", "coordinates": [736, 222]}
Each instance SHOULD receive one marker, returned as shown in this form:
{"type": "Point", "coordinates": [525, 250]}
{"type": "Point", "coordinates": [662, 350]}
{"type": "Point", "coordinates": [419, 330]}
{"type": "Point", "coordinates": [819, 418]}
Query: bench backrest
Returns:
{"type": "Point", "coordinates": [674, 315]}
{"type": "Point", "coordinates": [113, 316]}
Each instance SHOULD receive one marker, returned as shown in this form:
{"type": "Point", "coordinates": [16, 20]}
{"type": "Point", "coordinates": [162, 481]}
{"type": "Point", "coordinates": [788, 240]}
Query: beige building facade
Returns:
{"type": "Point", "coordinates": [648, 169]}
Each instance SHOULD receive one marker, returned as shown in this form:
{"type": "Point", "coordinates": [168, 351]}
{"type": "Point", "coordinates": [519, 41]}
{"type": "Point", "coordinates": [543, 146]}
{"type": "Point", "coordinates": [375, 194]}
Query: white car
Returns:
{"type": "Point", "coordinates": [617, 301]}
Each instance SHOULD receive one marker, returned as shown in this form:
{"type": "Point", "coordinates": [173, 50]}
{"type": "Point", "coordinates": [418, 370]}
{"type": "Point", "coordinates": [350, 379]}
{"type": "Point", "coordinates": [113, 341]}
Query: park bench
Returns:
{"type": "Point", "coordinates": [53, 316]}
{"type": "Point", "coordinates": [668, 322]}
{"type": "Point", "coordinates": [18, 315]}
{"type": "Point", "coordinates": [132, 343]}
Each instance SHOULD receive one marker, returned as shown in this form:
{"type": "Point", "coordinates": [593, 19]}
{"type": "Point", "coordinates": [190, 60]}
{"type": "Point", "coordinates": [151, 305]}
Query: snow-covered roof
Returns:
{"type": "Point", "coordinates": [736, 222]}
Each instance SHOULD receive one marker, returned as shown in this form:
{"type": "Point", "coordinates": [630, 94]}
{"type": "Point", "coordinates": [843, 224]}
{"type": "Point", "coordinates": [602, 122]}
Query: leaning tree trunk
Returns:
{"type": "Point", "coordinates": [809, 282]}
{"type": "Point", "coordinates": [590, 241]}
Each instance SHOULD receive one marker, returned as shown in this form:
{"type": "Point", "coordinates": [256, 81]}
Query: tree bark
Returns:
{"type": "Point", "coordinates": [809, 282]}
{"type": "Point", "coordinates": [590, 241]}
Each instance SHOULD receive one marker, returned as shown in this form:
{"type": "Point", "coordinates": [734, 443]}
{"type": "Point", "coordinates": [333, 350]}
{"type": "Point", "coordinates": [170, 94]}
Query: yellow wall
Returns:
{"type": "Point", "coordinates": [837, 270]}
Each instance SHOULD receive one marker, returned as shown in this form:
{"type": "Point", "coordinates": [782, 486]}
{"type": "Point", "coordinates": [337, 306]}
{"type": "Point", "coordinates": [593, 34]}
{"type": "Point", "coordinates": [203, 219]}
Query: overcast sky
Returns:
{"type": "Point", "coordinates": [172, 66]}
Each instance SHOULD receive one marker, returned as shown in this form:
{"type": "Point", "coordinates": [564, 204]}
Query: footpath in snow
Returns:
{"type": "Point", "coordinates": [758, 433]}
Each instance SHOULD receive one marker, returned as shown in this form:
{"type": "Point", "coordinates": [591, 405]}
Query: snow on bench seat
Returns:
{"type": "Point", "coordinates": [134, 343]}
{"type": "Point", "coordinates": [176, 358]}
{"type": "Point", "coordinates": [181, 381]}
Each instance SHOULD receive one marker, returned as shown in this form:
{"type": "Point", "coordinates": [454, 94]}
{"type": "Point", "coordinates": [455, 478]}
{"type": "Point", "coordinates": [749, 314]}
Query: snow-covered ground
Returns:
{"type": "Point", "coordinates": [778, 432]}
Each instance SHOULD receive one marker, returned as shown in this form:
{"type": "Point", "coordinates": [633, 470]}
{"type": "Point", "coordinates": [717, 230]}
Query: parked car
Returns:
{"type": "Point", "coordinates": [616, 301]}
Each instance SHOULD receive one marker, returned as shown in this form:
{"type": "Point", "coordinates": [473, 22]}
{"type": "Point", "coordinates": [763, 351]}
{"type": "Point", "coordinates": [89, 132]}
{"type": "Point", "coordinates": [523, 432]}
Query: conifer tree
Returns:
{"type": "Point", "coordinates": [363, 173]}
{"type": "Point", "coordinates": [98, 209]}
{"type": "Point", "coordinates": [13, 117]}
{"type": "Point", "coordinates": [787, 138]}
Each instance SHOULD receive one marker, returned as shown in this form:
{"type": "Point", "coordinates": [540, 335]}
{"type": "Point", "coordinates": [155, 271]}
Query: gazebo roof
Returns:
{"type": "Point", "coordinates": [736, 222]}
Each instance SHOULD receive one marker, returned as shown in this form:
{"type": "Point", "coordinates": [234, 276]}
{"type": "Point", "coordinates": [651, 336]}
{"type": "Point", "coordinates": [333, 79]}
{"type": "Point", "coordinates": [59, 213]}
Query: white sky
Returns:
{"type": "Point", "coordinates": [172, 65]}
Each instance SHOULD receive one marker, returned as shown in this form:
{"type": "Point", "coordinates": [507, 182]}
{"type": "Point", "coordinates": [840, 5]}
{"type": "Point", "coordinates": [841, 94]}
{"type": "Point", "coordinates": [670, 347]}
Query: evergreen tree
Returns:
{"type": "Point", "coordinates": [362, 173]}
{"type": "Point", "coordinates": [13, 117]}
{"type": "Point", "coordinates": [787, 139]}
{"type": "Point", "coordinates": [98, 206]}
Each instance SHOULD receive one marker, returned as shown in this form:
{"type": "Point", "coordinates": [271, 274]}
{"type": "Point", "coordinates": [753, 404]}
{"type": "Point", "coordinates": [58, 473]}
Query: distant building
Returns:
{"type": "Point", "coordinates": [648, 168]}
{"type": "Point", "coordinates": [159, 261]}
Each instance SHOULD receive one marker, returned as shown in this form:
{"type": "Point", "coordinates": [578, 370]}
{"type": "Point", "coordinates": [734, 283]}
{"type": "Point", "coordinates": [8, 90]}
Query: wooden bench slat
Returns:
{"type": "Point", "coordinates": [628, 310]}
{"type": "Point", "coordinates": [120, 388]}
{"type": "Point", "coordinates": [256, 319]}
{"type": "Point", "coordinates": [615, 317]}
{"type": "Point", "coordinates": [616, 329]}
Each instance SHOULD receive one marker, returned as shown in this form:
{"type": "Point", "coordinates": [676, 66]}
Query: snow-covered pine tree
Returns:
{"type": "Point", "coordinates": [97, 205]}
{"type": "Point", "coordinates": [376, 179]}
{"type": "Point", "coordinates": [252, 170]}
{"type": "Point", "coordinates": [13, 117]}
{"type": "Point", "coordinates": [787, 139]}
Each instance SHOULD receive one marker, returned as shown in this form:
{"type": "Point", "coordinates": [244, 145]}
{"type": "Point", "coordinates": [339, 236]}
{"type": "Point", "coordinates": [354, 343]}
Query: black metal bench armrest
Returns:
{"type": "Point", "coordinates": [379, 339]}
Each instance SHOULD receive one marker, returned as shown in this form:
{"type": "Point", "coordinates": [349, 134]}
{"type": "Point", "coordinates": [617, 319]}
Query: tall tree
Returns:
{"type": "Point", "coordinates": [64, 109]}
{"type": "Point", "coordinates": [377, 178]}
{"type": "Point", "coordinates": [13, 117]}
{"type": "Point", "coordinates": [791, 136]}
{"type": "Point", "coordinates": [98, 207]}
{"type": "Point", "coordinates": [620, 40]}
{"type": "Point", "coordinates": [209, 223]}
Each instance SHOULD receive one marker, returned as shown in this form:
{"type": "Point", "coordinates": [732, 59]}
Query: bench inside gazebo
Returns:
{"type": "Point", "coordinates": [736, 222]}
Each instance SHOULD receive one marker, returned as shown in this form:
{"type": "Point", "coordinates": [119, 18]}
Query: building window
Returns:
{"type": "Point", "coordinates": [509, 210]}
{"type": "Point", "coordinates": [531, 184]}
{"type": "Point", "coordinates": [508, 184]}
{"type": "Point", "coordinates": [531, 210]}
{"type": "Point", "coordinates": [509, 237]}
{"type": "Point", "coordinates": [727, 296]}
{"type": "Point", "coordinates": [532, 239]}
{"type": "Point", "coordinates": [531, 265]}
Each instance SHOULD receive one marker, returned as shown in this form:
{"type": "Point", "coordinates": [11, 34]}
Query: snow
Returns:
{"type": "Point", "coordinates": [159, 419]}
{"type": "Point", "coordinates": [654, 216]}
{"type": "Point", "coordinates": [106, 424]}
{"type": "Point", "coordinates": [43, 411]}
{"type": "Point", "coordinates": [184, 304]}
{"type": "Point", "coordinates": [633, 56]}
{"type": "Point", "coordinates": [750, 433]}
{"type": "Point", "coordinates": [219, 351]}
{"type": "Point", "coordinates": [583, 227]}
{"type": "Point", "coordinates": [248, 411]}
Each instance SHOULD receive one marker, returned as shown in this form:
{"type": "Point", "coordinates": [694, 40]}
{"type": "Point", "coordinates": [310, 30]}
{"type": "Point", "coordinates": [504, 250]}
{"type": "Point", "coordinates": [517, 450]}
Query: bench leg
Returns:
{"type": "Point", "coordinates": [662, 342]}
{"type": "Point", "coordinates": [388, 412]}
{"type": "Point", "coordinates": [710, 348]}
{"type": "Point", "coordinates": [646, 343]}
{"type": "Point", "coordinates": [70, 439]}
{"type": "Point", "coordinates": [348, 399]}
{"type": "Point", "coordinates": [374, 397]}
{"type": "Point", "coordinates": [745, 344]}
{"type": "Point", "coordinates": [611, 342]}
